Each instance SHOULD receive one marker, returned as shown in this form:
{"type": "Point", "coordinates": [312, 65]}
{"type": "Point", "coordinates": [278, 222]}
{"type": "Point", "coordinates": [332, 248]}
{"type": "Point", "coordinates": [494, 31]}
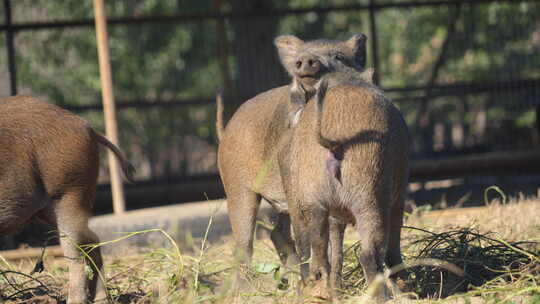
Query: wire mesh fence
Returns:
{"type": "Point", "coordinates": [466, 74]}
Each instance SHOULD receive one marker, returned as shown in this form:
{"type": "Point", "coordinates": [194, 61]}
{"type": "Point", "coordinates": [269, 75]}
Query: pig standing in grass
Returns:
{"type": "Point", "coordinates": [50, 160]}
{"type": "Point", "coordinates": [346, 162]}
{"type": "Point", "coordinates": [260, 128]}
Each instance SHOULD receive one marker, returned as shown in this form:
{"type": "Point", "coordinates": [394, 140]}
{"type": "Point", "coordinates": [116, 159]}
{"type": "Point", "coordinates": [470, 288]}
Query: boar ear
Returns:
{"type": "Point", "coordinates": [287, 46]}
{"type": "Point", "coordinates": [357, 44]}
{"type": "Point", "coordinates": [367, 75]}
{"type": "Point", "coordinates": [288, 42]}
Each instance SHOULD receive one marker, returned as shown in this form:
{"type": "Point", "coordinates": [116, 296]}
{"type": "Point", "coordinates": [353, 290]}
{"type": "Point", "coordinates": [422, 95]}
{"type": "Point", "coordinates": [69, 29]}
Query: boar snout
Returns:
{"type": "Point", "coordinates": [308, 68]}
{"type": "Point", "coordinates": [308, 65]}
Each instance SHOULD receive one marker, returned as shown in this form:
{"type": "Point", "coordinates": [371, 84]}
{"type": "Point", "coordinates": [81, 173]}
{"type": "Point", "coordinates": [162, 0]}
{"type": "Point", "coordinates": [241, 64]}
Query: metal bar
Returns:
{"type": "Point", "coordinates": [10, 33]}
{"type": "Point", "coordinates": [438, 91]}
{"type": "Point", "coordinates": [538, 120]}
{"type": "Point", "coordinates": [493, 163]}
{"type": "Point", "coordinates": [517, 161]}
{"type": "Point", "coordinates": [143, 104]}
{"type": "Point", "coordinates": [187, 18]}
{"type": "Point", "coordinates": [108, 104]}
{"type": "Point", "coordinates": [424, 120]}
{"type": "Point", "coordinates": [374, 44]}
{"type": "Point", "coordinates": [470, 87]}
{"type": "Point", "coordinates": [200, 177]}
{"type": "Point", "coordinates": [443, 51]}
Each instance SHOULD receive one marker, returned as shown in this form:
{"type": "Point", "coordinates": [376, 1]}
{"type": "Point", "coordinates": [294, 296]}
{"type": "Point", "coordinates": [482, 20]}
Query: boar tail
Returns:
{"type": "Point", "coordinates": [220, 129]}
{"type": "Point", "coordinates": [127, 167]}
{"type": "Point", "coordinates": [319, 98]}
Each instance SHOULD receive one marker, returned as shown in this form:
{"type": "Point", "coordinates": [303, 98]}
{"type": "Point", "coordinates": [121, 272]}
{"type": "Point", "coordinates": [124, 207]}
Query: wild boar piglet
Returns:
{"type": "Point", "coordinates": [50, 160]}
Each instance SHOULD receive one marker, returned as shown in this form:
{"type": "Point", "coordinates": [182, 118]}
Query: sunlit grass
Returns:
{"type": "Point", "coordinates": [496, 248]}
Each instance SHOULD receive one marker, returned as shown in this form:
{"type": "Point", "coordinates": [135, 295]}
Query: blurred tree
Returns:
{"type": "Point", "coordinates": [191, 59]}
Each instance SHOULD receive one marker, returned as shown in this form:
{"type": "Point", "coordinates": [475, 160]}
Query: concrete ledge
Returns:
{"type": "Point", "coordinates": [190, 220]}
{"type": "Point", "coordinates": [179, 221]}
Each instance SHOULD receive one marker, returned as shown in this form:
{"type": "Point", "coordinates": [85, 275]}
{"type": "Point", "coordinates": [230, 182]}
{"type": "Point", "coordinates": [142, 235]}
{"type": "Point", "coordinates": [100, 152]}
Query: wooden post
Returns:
{"type": "Point", "coordinates": [108, 104]}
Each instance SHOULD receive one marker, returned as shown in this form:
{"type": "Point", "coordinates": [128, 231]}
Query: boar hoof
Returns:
{"type": "Point", "coordinates": [318, 288]}
{"type": "Point", "coordinates": [320, 291]}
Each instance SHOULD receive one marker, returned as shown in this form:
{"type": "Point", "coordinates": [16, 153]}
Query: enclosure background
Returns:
{"type": "Point", "coordinates": [465, 74]}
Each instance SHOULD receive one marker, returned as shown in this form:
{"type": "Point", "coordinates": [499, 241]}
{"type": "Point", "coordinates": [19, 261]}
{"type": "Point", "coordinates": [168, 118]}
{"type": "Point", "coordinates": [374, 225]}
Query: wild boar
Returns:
{"type": "Point", "coordinates": [50, 160]}
{"type": "Point", "coordinates": [341, 75]}
{"type": "Point", "coordinates": [347, 159]}
{"type": "Point", "coordinates": [248, 146]}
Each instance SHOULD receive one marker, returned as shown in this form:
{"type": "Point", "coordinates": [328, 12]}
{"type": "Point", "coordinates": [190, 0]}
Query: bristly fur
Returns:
{"type": "Point", "coordinates": [319, 99]}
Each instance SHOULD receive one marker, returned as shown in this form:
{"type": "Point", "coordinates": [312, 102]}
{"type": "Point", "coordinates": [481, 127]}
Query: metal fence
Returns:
{"type": "Point", "coordinates": [465, 73]}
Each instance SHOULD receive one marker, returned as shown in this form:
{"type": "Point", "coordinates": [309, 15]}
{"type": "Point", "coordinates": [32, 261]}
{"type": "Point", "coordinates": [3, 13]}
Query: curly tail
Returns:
{"type": "Point", "coordinates": [331, 145]}
{"type": "Point", "coordinates": [220, 129]}
{"type": "Point", "coordinates": [127, 167]}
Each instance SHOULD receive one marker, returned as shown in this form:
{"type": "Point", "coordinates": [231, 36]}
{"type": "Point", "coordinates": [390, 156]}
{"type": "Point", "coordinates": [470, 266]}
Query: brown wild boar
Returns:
{"type": "Point", "coordinates": [338, 73]}
{"type": "Point", "coordinates": [347, 159]}
{"type": "Point", "coordinates": [247, 154]}
{"type": "Point", "coordinates": [342, 75]}
{"type": "Point", "coordinates": [50, 160]}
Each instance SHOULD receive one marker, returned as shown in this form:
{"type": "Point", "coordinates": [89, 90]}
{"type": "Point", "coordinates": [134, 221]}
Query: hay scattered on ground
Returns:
{"type": "Point", "coordinates": [497, 250]}
{"type": "Point", "coordinates": [481, 257]}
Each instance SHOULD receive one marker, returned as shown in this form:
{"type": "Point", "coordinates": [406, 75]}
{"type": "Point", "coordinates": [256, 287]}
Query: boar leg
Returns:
{"type": "Point", "coordinates": [301, 240]}
{"type": "Point", "coordinates": [319, 267]}
{"type": "Point", "coordinates": [243, 205]}
{"type": "Point", "coordinates": [283, 242]}
{"type": "Point", "coordinates": [393, 256]}
{"type": "Point", "coordinates": [373, 230]}
{"type": "Point", "coordinates": [71, 213]}
{"type": "Point", "coordinates": [337, 230]}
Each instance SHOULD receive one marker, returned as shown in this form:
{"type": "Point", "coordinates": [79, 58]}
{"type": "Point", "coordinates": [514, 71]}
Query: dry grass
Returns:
{"type": "Point", "coordinates": [497, 248]}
